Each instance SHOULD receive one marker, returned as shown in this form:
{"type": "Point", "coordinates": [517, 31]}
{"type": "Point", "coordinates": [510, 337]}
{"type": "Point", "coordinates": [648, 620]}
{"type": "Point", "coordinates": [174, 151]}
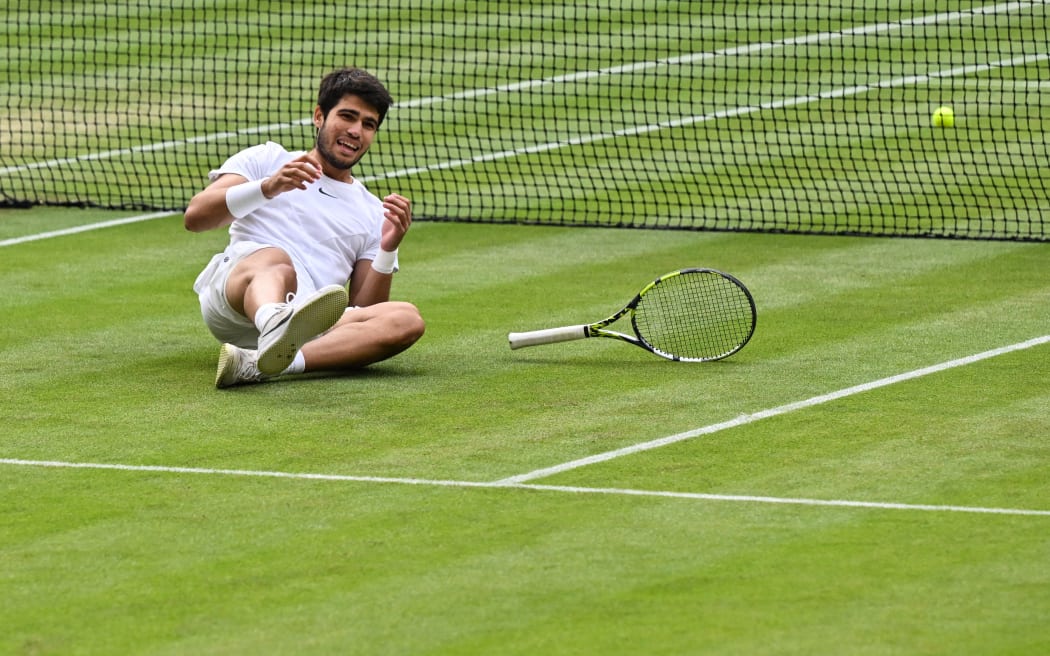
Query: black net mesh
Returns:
{"type": "Point", "coordinates": [812, 117]}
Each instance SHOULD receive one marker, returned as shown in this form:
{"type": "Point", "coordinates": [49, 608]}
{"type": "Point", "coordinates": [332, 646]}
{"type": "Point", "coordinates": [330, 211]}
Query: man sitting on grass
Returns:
{"type": "Point", "coordinates": [303, 231]}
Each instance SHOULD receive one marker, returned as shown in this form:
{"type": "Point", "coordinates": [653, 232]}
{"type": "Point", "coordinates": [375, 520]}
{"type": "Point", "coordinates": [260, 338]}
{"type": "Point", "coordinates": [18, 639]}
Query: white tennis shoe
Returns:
{"type": "Point", "coordinates": [237, 366]}
{"type": "Point", "coordinates": [295, 324]}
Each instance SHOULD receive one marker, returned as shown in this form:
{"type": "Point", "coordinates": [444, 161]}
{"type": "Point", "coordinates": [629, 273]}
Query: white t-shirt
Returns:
{"type": "Point", "coordinates": [324, 228]}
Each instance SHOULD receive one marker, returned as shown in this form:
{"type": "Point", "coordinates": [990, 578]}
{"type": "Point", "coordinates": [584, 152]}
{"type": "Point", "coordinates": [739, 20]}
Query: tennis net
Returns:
{"type": "Point", "coordinates": [801, 117]}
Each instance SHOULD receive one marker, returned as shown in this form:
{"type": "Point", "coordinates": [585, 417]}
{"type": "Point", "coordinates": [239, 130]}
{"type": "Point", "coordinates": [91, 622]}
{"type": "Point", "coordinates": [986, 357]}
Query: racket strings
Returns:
{"type": "Point", "coordinates": [695, 315]}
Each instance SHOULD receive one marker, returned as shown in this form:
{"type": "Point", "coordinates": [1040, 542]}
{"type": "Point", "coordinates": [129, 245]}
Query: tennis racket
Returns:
{"type": "Point", "coordinates": [692, 315]}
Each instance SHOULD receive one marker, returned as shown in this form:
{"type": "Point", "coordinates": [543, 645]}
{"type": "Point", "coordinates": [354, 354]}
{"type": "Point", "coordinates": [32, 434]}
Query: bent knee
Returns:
{"type": "Point", "coordinates": [407, 321]}
{"type": "Point", "coordinates": [269, 262]}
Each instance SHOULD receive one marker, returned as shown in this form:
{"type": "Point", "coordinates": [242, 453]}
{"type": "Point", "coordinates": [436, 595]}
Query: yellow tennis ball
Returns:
{"type": "Point", "coordinates": [943, 117]}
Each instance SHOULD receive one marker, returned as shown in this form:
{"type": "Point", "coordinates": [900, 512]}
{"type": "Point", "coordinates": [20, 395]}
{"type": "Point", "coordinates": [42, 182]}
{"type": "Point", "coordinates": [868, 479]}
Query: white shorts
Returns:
{"type": "Point", "coordinates": [225, 323]}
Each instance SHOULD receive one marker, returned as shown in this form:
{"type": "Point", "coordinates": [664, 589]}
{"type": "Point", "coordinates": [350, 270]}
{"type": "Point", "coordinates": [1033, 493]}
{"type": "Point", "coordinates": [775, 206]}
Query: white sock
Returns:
{"type": "Point", "coordinates": [297, 366]}
{"type": "Point", "coordinates": [263, 314]}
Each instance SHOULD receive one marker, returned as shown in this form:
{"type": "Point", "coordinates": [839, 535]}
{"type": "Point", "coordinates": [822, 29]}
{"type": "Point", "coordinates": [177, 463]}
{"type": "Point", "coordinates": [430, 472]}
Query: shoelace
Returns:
{"type": "Point", "coordinates": [247, 369]}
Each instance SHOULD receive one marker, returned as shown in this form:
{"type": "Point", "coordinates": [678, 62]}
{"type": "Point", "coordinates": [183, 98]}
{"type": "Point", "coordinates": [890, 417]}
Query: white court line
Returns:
{"type": "Point", "coordinates": [733, 112]}
{"type": "Point", "coordinates": [1013, 86]}
{"type": "Point", "coordinates": [743, 420]}
{"type": "Point", "coordinates": [735, 51]}
{"type": "Point", "coordinates": [835, 503]}
{"type": "Point", "coordinates": [84, 228]}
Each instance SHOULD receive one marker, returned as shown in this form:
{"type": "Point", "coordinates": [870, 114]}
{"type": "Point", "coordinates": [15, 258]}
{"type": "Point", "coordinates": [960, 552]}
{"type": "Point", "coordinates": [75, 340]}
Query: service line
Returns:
{"type": "Point", "coordinates": [745, 419]}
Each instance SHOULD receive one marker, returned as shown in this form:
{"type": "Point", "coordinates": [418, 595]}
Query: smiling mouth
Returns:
{"type": "Point", "coordinates": [347, 146]}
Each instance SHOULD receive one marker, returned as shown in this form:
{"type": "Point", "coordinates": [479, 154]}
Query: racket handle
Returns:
{"type": "Point", "coordinates": [548, 336]}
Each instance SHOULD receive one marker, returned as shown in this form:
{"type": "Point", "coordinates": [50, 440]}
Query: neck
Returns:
{"type": "Point", "coordinates": [341, 175]}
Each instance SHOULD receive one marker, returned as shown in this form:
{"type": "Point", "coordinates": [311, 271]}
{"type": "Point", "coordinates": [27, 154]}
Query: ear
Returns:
{"type": "Point", "coordinates": [318, 117]}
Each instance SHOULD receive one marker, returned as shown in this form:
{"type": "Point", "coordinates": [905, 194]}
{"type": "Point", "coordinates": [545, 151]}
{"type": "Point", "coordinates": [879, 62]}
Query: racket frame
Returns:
{"type": "Point", "coordinates": [600, 328]}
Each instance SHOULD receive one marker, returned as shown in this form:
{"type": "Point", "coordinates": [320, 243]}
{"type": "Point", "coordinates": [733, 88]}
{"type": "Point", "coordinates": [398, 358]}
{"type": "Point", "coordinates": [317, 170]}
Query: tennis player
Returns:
{"type": "Point", "coordinates": [304, 284]}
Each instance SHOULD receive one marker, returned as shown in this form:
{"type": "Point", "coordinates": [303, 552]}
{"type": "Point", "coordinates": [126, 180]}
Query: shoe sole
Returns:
{"type": "Point", "coordinates": [309, 320]}
{"type": "Point", "coordinates": [225, 356]}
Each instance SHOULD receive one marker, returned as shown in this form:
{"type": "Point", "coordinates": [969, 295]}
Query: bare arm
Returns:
{"type": "Point", "coordinates": [368, 286]}
{"type": "Point", "coordinates": [208, 209]}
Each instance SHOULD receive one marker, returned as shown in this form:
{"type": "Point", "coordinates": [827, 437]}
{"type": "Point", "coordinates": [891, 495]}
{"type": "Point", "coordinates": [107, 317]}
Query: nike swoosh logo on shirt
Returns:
{"type": "Point", "coordinates": [321, 189]}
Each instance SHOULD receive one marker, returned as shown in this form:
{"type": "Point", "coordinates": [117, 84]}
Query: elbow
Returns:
{"type": "Point", "coordinates": [190, 221]}
{"type": "Point", "coordinates": [194, 219]}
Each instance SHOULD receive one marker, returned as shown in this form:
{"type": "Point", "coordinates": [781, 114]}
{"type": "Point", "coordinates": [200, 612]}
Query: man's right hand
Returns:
{"type": "Point", "coordinates": [296, 174]}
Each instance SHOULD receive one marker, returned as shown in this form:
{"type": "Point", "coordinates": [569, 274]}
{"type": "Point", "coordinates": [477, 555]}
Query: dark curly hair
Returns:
{"type": "Point", "coordinates": [357, 82]}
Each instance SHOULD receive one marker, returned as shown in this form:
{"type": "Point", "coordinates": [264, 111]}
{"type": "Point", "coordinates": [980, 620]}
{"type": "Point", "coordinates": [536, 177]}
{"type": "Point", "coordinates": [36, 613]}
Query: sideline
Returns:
{"type": "Point", "coordinates": [84, 228]}
{"type": "Point", "coordinates": [519, 482]}
{"type": "Point", "coordinates": [835, 503]}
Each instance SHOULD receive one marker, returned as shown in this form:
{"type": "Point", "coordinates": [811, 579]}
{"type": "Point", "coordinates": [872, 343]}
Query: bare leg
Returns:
{"type": "Point", "coordinates": [265, 276]}
{"type": "Point", "coordinates": [365, 335]}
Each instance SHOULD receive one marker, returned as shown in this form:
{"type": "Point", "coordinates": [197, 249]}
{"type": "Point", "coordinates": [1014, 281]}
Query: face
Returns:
{"type": "Point", "coordinates": [345, 134]}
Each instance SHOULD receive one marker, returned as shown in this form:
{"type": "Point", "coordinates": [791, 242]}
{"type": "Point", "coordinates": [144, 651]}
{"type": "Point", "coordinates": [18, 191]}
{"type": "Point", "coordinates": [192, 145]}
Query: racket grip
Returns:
{"type": "Point", "coordinates": [548, 336]}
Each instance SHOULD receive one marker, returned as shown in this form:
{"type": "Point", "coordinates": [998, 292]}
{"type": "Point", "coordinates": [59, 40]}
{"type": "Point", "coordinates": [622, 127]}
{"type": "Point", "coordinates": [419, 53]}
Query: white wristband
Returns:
{"type": "Point", "coordinates": [243, 199]}
{"type": "Point", "coordinates": [385, 262]}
